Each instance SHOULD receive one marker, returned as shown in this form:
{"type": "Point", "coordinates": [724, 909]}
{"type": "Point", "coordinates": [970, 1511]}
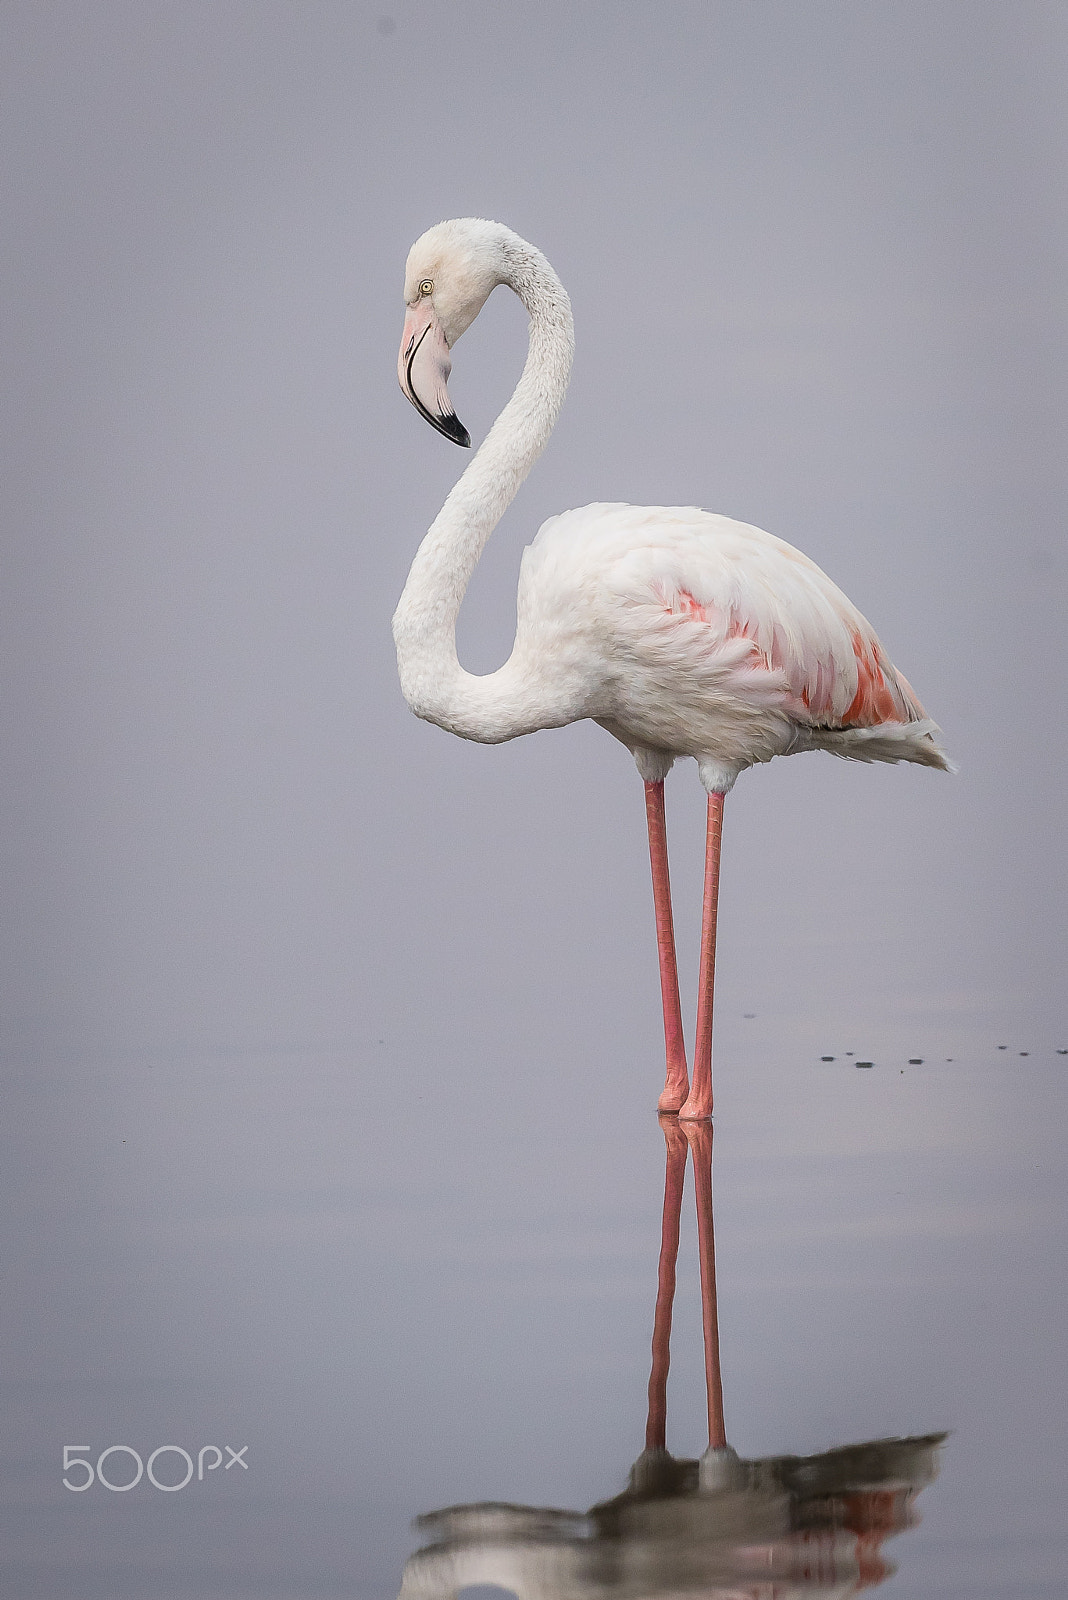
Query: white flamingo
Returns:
{"type": "Point", "coordinates": [682, 633]}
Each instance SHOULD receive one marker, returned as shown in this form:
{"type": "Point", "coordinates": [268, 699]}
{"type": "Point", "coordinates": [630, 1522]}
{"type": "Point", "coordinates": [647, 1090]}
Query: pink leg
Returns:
{"type": "Point", "coordinates": [698, 1107]}
{"type": "Point", "coordinates": [700, 1138]}
{"type": "Point", "coordinates": [677, 1083]}
{"type": "Point", "coordinates": [674, 1178]}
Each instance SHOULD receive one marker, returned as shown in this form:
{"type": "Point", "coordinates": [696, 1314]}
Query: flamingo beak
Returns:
{"type": "Point", "coordinates": [423, 369]}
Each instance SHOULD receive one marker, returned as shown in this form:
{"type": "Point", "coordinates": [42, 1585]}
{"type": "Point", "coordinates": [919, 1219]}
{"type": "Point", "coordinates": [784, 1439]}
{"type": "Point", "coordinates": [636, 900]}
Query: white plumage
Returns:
{"type": "Point", "coordinates": [689, 634]}
{"type": "Point", "coordinates": [681, 632]}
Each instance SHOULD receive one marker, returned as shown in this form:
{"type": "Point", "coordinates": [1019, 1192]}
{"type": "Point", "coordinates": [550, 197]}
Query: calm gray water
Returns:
{"type": "Point", "coordinates": [402, 1312]}
{"type": "Point", "coordinates": [331, 1044]}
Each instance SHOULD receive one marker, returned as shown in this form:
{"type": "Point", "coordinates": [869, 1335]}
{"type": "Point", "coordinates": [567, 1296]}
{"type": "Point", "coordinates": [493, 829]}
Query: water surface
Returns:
{"type": "Point", "coordinates": [402, 1314]}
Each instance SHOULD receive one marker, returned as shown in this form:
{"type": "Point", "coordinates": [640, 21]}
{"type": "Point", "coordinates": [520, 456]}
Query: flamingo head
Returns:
{"type": "Point", "coordinates": [451, 271]}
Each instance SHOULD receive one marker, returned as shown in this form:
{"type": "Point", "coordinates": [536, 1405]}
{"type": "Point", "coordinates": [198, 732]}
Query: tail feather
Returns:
{"type": "Point", "coordinates": [887, 741]}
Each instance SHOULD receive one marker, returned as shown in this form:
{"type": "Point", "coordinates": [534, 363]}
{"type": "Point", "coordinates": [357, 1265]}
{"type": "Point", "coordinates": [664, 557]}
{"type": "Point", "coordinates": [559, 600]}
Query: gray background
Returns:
{"type": "Point", "coordinates": [332, 1040]}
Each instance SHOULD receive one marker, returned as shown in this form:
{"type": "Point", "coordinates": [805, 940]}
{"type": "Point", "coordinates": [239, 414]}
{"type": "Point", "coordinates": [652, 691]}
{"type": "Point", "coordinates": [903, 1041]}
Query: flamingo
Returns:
{"type": "Point", "coordinates": [680, 632]}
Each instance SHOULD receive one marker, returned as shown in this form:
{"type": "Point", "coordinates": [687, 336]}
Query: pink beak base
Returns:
{"type": "Point", "coordinates": [423, 368]}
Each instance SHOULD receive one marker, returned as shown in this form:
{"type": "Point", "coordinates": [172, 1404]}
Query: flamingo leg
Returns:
{"type": "Point", "coordinates": [699, 1135]}
{"type": "Point", "coordinates": [698, 1106]}
{"type": "Point", "coordinates": [677, 1083]}
{"type": "Point", "coordinates": [674, 1178]}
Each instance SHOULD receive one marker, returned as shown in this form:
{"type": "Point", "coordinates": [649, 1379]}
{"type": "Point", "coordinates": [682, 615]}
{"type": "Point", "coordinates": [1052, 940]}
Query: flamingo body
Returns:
{"type": "Point", "coordinates": [689, 634]}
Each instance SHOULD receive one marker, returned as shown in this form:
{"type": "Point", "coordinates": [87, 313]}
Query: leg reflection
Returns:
{"type": "Point", "coordinates": [811, 1527]}
{"type": "Point", "coordinates": [699, 1135]}
{"type": "Point", "coordinates": [674, 1178]}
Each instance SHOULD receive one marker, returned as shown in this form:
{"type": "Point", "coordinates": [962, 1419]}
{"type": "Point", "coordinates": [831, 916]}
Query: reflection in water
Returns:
{"type": "Point", "coordinates": [781, 1528]}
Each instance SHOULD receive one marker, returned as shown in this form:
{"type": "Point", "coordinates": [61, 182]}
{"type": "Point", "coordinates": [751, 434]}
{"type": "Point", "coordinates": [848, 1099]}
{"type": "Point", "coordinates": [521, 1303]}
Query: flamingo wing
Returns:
{"type": "Point", "coordinates": [741, 587]}
{"type": "Point", "coordinates": [687, 632]}
{"type": "Point", "coordinates": [798, 623]}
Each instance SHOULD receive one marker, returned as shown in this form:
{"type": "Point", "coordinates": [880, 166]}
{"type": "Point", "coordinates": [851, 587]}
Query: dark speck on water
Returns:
{"type": "Point", "coordinates": [1025, 1052]}
{"type": "Point", "coordinates": [849, 1052]}
{"type": "Point", "coordinates": [1062, 1052]}
{"type": "Point", "coordinates": [915, 1061]}
{"type": "Point", "coordinates": [865, 1063]}
{"type": "Point", "coordinates": [1003, 1047]}
{"type": "Point", "coordinates": [826, 1058]}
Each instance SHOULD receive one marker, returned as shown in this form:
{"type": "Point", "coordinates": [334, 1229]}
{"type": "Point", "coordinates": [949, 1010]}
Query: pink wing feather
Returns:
{"type": "Point", "coordinates": [837, 673]}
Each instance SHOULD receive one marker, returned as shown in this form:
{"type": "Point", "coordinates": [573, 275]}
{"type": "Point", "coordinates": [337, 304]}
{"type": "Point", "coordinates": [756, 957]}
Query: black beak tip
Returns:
{"type": "Point", "coordinates": [453, 429]}
{"type": "Point", "coordinates": [446, 422]}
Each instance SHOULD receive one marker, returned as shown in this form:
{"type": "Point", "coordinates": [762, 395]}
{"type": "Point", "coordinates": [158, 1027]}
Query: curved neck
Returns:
{"type": "Point", "coordinates": [424, 625]}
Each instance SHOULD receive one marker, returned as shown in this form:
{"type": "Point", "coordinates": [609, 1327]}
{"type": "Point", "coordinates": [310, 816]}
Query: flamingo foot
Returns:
{"type": "Point", "coordinates": [697, 1108]}
{"type": "Point", "coordinates": [674, 1095]}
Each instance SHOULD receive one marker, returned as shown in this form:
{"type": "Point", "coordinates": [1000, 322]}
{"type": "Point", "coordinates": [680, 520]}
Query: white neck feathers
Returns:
{"type": "Point", "coordinates": [424, 625]}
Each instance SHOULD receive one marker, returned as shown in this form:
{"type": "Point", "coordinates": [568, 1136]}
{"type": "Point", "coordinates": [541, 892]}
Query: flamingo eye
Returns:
{"type": "Point", "coordinates": [427, 286]}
